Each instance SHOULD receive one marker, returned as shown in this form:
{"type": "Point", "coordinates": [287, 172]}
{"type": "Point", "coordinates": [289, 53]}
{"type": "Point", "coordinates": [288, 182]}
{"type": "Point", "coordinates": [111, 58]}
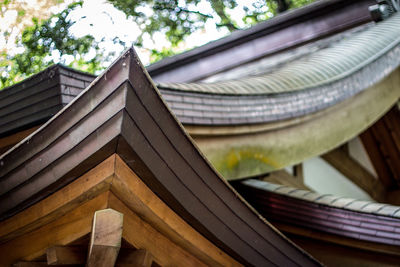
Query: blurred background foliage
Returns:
{"type": "Point", "coordinates": [40, 36]}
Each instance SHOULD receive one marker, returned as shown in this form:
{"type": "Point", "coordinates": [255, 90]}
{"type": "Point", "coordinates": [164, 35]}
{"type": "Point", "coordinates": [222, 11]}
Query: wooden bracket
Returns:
{"type": "Point", "coordinates": [105, 241]}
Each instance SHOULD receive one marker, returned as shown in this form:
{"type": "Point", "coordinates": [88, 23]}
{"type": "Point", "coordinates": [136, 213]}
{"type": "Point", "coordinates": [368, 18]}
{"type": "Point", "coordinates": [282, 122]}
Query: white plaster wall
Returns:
{"type": "Point", "coordinates": [357, 152]}
{"type": "Point", "coordinates": [324, 179]}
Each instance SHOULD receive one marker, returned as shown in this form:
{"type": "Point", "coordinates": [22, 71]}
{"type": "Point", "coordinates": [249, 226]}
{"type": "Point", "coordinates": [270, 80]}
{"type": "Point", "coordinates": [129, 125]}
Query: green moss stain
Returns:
{"type": "Point", "coordinates": [244, 161]}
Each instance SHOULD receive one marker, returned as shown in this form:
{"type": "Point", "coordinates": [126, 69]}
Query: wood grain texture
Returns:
{"type": "Point", "coordinates": [87, 187]}
{"type": "Point", "coordinates": [135, 194]}
{"type": "Point", "coordinates": [105, 240]}
{"type": "Point", "coordinates": [112, 174]}
{"type": "Point", "coordinates": [139, 258]}
{"type": "Point", "coordinates": [142, 235]}
{"type": "Point", "coordinates": [62, 255]}
{"type": "Point", "coordinates": [62, 231]}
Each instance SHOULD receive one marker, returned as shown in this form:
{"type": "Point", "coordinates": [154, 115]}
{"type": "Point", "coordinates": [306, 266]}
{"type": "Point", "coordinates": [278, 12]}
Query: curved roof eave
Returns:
{"type": "Point", "coordinates": [122, 112]}
{"type": "Point", "coordinates": [284, 31]}
{"type": "Point", "coordinates": [247, 151]}
{"type": "Point", "coordinates": [325, 213]}
{"type": "Point", "coordinates": [304, 86]}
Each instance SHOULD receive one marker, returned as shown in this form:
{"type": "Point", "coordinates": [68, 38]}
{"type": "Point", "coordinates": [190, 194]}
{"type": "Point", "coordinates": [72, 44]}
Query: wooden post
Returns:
{"type": "Point", "coordinates": [105, 240]}
{"type": "Point", "coordinates": [298, 172]}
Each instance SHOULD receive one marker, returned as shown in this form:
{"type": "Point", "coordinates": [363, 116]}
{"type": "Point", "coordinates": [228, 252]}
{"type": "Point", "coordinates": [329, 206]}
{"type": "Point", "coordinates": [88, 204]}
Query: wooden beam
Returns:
{"type": "Point", "coordinates": [67, 215]}
{"type": "Point", "coordinates": [76, 255]}
{"type": "Point", "coordinates": [388, 147]}
{"type": "Point", "coordinates": [60, 255]}
{"type": "Point", "coordinates": [285, 178]}
{"type": "Point", "coordinates": [70, 227]}
{"type": "Point", "coordinates": [377, 158]}
{"type": "Point", "coordinates": [88, 186]}
{"type": "Point", "coordinates": [105, 240]}
{"type": "Point", "coordinates": [141, 234]}
{"type": "Point", "coordinates": [29, 264]}
{"type": "Point", "coordinates": [133, 192]}
{"type": "Point", "coordinates": [298, 172]}
{"type": "Point", "coordinates": [356, 173]}
{"type": "Point", "coordinates": [138, 258]}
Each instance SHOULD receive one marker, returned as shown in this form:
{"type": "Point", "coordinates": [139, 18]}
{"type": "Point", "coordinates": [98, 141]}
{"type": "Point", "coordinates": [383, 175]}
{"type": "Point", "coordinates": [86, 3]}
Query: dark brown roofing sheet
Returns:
{"type": "Point", "coordinates": [38, 98]}
{"type": "Point", "coordinates": [287, 30]}
{"type": "Point", "coordinates": [362, 220]}
{"type": "Point", "coordinates": [127, 116]}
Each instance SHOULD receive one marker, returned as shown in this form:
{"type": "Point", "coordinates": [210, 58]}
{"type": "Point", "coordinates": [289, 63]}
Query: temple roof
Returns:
{"type": "Point", "coordinates": [126, 115]}
{"type": "Point", "coordinates": [284, 108]}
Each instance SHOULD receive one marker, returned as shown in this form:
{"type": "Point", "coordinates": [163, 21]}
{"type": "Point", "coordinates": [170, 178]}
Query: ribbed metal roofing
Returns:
{"type": "Point", "coordinates": [328, 199]}
{"type": "Point", "coordinates": [323, 67]}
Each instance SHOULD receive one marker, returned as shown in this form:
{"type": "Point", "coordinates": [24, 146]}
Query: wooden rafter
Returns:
{"type": "Point", "coordinates": [77, 255]}
{"type": "Point", "coordinates": [356, 173]}
{"type": "Point", "coordinates": [149, 221]}
{"type": "Point", "coordinates": [382, 143]}
{"type": "Point", "coordinates": [66, 255]}
{"type": "Point", "coordinates": [105, 238]}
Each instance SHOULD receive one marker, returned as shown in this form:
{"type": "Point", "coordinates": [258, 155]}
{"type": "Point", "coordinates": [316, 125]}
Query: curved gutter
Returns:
{"type": "Point", "coordinates": [345, 217]}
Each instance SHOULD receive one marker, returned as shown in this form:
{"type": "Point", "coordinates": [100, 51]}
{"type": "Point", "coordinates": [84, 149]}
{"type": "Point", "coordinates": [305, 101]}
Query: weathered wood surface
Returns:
{"type": "Point", "coordinates": [77, 255]}
{"type": "Point", "coordinates": [105, 238]}
{"type": "Point", "coordinates": [9, 141]}
{"type": "Point", "coordinates": [75, 194]}
{"type": "Point", "coordinates": [111, 177]}
{"type": "Point", "coordinates": [69, 227]}
{"type": "Point", "coordinates": [36, 99]}
{"type": "Point", "coordinates": [63, 255]}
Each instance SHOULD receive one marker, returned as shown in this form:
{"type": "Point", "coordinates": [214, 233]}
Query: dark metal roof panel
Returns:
{"type": "Point", "coordinates": [347, 217]}
{"type": "Point", "coordinates": [326, 66]}
{"type": "Point", "coordinates": [282, 32]}
{"type": "Point", "coordinates": [38, 98]}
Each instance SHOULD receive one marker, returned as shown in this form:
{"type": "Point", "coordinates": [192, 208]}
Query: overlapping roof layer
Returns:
{"type": "Point", "coordinates": [265, 120]}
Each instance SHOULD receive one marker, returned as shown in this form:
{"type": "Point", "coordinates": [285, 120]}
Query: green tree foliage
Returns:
{"type": "Point", "coordinates": [46, 43]}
